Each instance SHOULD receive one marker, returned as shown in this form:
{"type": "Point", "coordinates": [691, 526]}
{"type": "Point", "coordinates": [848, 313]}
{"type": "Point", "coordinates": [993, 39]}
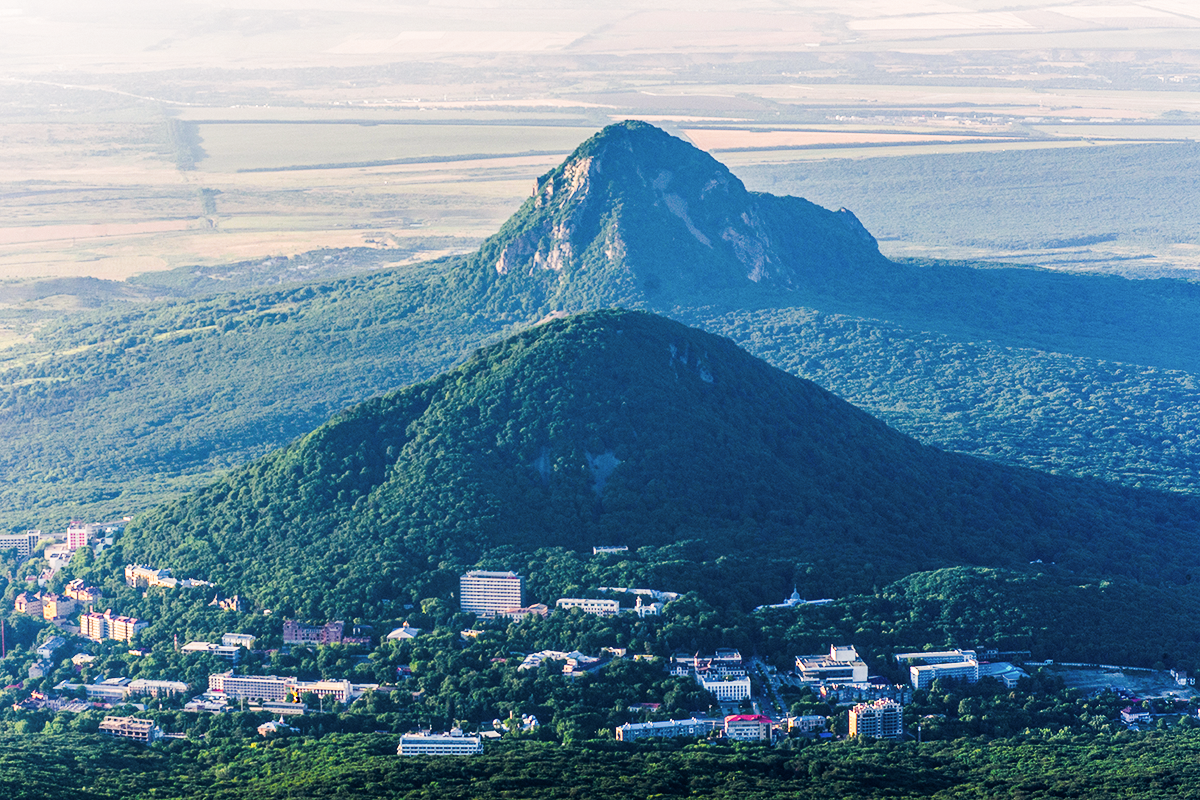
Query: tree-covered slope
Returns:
{"type": "Point", "coordinates": [626, 428]}
{"type": "Point", "coordinates": [104, 414]}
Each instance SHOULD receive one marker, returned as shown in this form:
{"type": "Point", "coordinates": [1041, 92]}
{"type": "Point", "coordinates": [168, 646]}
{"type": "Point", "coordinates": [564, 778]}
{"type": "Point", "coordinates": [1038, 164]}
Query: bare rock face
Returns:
{"type": "Point", "coordinates": [636, 216]}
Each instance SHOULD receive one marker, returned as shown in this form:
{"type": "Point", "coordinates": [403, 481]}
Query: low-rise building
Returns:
{"type": "Point", "coordinates": [245, 640]}
{"type": "Point", "coordinates": [47, 649]}
{"type": "Point", "coordinates": [225, 652]}
{"type": "Point", "coordinates": [274, 728]}
{"type": "Point", "coordinates": [28, 603]}
{"type": "Point", "coordinates": [303, 633]}
{"type": "Point", "coordinates": [81, 593]}
{"type": "Point", "coordinates": [601, 608]}
{"type": "Point", "coordinates": [1134, 716]}
{"type": "Point", "coordinates": [807, 723]}
{"type": "Point", "coordinates": [668, 729]}
{"type": "Point", "coordinates": [404, 632]}
{"type": "Point", "coordinates": [140, 730]}
{"type": "Point", "coordinates": [841, 666]}
{"type": "Point", "coordinates": [98, 627]}
{"type": "Point", "coordinates": [453, 743]}
{"type": "Point", "coordinates": [882, 719]}
{"type": "Point", "coordinates": [1008, 674]}
{"type": "Point", "coordinates": [535, 610]}
{"type": "Point", "coordinates": [574, 660]}
{"type": "Point", "coordinates": [748, 727]}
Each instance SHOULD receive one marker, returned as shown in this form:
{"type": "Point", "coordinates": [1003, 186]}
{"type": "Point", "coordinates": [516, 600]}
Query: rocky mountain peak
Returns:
{"type": "Point", "coordinates": [638, 215]}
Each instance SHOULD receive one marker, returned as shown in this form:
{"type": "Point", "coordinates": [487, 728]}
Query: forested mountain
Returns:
{"type": "Point", "coordinates": [624, 427]}
{"type": "Point", "coordinates": [110, 412]}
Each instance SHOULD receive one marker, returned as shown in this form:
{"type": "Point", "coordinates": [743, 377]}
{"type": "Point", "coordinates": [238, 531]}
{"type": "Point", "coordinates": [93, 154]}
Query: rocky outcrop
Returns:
{"type": "Point", "coordinates": [646, 213]}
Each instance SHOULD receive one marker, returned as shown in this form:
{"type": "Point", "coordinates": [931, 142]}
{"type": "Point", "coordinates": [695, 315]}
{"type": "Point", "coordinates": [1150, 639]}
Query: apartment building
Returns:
{"type": "Point", "coordinates": [57, 607]}
{"type": "Point", "coordinates": [882, 719]}
{"type": "Point", "coordinates": [668, 729]}
{"type": "Point", "coordinates": [23, 543]}
{"type": "Point", "coordinates": [81, 593]}
{"type": "Point", "coordinates": [748, 728]}
{"type": "Point", "coordinates": [78, 535]}
{"type": "Point", "coordinates": [98, 627]}
{"type": "Point", "coordinates": [487, 593]}
{"type": "Point", "coordinates": [28, 603]}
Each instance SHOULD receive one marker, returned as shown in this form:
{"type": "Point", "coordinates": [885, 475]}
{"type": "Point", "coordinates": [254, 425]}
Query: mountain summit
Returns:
{"type": "Point", "coordinates": [637, 216]}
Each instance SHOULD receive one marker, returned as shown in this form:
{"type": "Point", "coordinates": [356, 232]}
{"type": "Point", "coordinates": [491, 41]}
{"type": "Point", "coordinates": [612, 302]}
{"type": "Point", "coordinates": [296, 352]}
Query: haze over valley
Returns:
{"type": "Point", "coordinates": [754, 399]}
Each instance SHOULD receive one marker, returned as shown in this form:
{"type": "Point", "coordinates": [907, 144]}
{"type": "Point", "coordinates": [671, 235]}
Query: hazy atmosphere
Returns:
{"type": "Point", "coordinates": [543, 400]}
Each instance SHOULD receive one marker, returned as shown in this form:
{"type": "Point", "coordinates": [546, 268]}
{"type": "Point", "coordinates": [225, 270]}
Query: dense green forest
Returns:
{"type": "Point", "coordinates": [627, 427]}
{"type": "Point", "coordinates": [1034, 765]}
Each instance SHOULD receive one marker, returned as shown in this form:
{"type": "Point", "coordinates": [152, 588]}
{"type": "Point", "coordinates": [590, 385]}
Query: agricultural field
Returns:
{"type": "Point", "coordinates": [136, 141]}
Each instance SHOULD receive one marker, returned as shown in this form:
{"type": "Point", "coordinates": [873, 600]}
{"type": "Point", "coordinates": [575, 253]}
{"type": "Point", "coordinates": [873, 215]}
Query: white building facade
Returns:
{"type": "Point", "coordinates": [482, 592]}
{"type": "Point", "coordinates": [439, 744]}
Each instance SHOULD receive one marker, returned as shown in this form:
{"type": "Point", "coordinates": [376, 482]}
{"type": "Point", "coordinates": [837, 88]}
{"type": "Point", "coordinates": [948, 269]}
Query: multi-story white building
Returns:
{"type": "Point", "coordinates": [97, 626]}
{"type": "Point", "coordinates": [748, 727]}
{"type": "Point", "coordinates": [23, 543]}
{"type": "Point", "coordinates": [726, 688]}
{"type": "Point", "coordinates": [339, 690]}
{"type": "Point", "coordinates": [841, 666]}
{"type": "Point", "coordinates": [601, 608]}
{"type": "Point", "coordinates": [667, 729]}
{"type": "Point", "coordinates": [153, 688]}
{"type": "Point", "coordinates": [923, 676]}
{"type": "Point", "coordinates": [251, 687]}
{"type": "Point", "coordinates": [934, 657]}
{"type": "Point", "coordinates": [275, 688]}
{"type": "Point", "coordinates": [245, 640]}
{"type": "Point", "coordinates": [225, 652]}
{"type": "Point", "coordinates": [484, 593]}
{"type": "Point", "coordinates": [439, 744]}
{"type": "Point", "coordinates": [879, 720]}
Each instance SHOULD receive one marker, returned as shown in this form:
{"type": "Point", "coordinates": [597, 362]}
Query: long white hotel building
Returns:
{"type": "Point", "coordinates": [488, 593]}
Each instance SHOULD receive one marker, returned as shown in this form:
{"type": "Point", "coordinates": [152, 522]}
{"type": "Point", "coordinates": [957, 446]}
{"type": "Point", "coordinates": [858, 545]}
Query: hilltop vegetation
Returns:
{"type": "Point", "coordinates": [625, 427]}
